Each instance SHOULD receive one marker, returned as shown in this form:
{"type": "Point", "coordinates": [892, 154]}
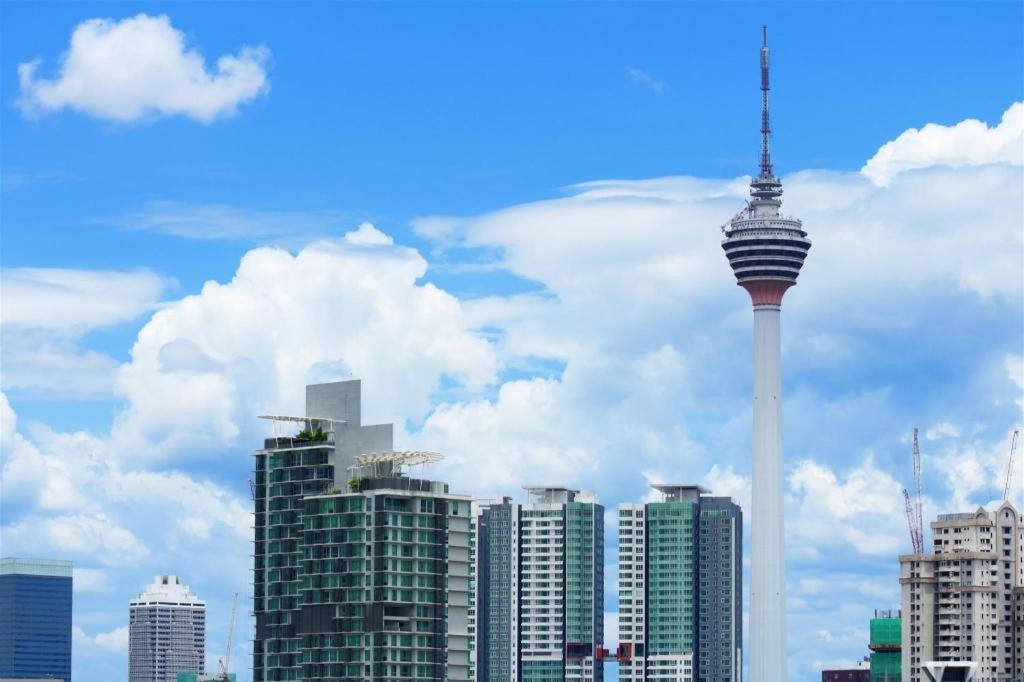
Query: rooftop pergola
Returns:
{"type": "Point", "coordinates": [385, 463]}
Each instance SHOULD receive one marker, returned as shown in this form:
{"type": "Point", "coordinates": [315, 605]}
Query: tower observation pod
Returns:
{"type": "Point", "coordinates": [766, 251]}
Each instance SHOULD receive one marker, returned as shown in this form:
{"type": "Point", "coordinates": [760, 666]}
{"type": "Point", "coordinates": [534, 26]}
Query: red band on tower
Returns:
{"type": "Point", "coordinates": [766, 291]}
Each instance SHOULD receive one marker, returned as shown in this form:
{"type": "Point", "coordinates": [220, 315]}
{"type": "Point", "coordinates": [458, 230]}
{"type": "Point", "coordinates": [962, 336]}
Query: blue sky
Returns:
{"type": "Point", "coordinates": [536, 289]}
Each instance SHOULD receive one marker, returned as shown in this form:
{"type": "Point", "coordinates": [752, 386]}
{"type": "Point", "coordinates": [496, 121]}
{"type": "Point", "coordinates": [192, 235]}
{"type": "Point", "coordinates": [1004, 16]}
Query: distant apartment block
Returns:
{"type": "Point", "coordinates": [848, 675]}
{"type": "Point", "coordinates": [166, 632]}
{"type": "Point", "coordinates": [361, 571]}
{"type": "Point", "coordinates": [540, 589]}
{"type": "Point", "coordinates": [680, 588]}
{"type": "Point", "coordinates": [35, 618]}
{"type": "Point", "coordinates": [963, 604]}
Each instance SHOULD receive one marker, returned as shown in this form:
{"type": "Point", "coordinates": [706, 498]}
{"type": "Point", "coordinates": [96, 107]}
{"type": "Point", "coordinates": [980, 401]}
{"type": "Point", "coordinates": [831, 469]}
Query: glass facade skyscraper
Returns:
{"type": "Point", "coordinates": [35, 618]}
{"type": "Point", "coordinates": [540, 589]}
{"type": "Point", "coordinates": [680, 588]}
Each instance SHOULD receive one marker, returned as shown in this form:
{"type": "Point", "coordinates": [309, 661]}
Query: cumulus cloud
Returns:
{"type": "Point", "coordinates": [975, 470]}
{"type": "Point", "coordinates": [204, 366]}
{"type": "Point", "coordinates": [142, 67]}
{"type": "Point", "coordinates": [115, 641]}
{"type": "Point", "coordinates": [65, 493]}
{"type": "Point", "coordinates": [76, 535]}
{"type": "Point", "coordinates": [627, 362]}
{"type": "Point", "coordinates": [968, 143]}
{"type": "Point", "coordinates": [863, 511]}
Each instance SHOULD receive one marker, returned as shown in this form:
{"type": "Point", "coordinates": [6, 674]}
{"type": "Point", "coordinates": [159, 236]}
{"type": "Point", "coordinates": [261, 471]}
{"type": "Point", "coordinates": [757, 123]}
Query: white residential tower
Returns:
{"type": "Point", "coordinates": [167, 632]}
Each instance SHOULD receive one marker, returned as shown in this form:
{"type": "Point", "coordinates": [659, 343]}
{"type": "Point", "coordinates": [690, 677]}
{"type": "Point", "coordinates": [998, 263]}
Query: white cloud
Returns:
{"type": "Point", "coordinates": [863, 511]}
{"type": "Point", "coordinates": [113, 642]}
{"type": "Point", "coordinates": [646, 80]}
{"type": "Point", "coordinates": [631, 362]}
{"type": "Point", "coordinates": [1014, 365]}
{"type": "Point", "coordinates": [219, 221]}
{"type": "Point", "coordinates": [67, 492]}
{"type": "Point", "coordinates": [968, 143]}
{"type": "Point", "coordinates": [943, 429]}
{"type": "Point", "coordinates": [71, 302]}
{"type": "Point", "coordinates": [95, 536]}
{"type": "Point", "coordinates": [203, 367]}
{"type": "Point", "coordinates": [46, 311]}
{"type": "Point", "coordinates": [975, 470]}
{"type": "Point", "coordinates": [650, 249]}
{"type": "Point", "coordinates": [523, 437]}
{"type": "Point", "coordinates": [368, 235]}
{"type": "Point", "coordinates": [93, 580]}
{"type": "Point", "coordinates": [141, 67]}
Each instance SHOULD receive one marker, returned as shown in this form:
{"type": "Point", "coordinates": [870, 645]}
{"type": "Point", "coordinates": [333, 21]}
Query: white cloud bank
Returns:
{"type": "Point", "coordinates": [140, 67]}
{"type": "Point", "coordinates": [633, 363]}
{"type": "Point", "coordinates": [204, 366]}
{"type": "Point", "coordinates": [968, 143]}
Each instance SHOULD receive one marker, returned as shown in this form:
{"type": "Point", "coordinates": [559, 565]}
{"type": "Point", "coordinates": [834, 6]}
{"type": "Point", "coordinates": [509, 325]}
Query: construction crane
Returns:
{"type": "Point", "coordinates": [915, 540]}
{"type": "Point", "coordinates": [919, 512]}
{"type": "Point", "coordinates": [225, 663]}
{"type": "Point", "coordinates": [1009, 465]}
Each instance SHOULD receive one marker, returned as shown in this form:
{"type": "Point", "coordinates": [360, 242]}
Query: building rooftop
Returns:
{"type": "Point", "coordinates": [670, 487]}
{"type": "Point", "coordinates": [165, 588]}
{"type": "Point", "coordinates": [680, 492]}
{"type": "Point", "coordinates": [45, 567]}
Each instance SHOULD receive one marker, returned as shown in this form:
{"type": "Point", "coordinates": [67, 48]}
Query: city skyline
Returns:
{"type": "Point", "coordinates": [460, 237]}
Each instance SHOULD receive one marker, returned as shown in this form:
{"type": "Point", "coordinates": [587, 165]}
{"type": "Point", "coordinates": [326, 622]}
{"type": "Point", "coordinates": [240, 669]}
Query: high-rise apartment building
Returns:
{"type": "Point", "coordinates": [35, 618]}
{"type": "Point", "coordinates": [166, 632]}
{"type": "Point", "coordinates": [540, 588]}
{"type": "Point", "coordinates": [962, 604]}
{"type": "Point", "coordinates": [361, 571]}
{"type": "Point", "coordinates": [310, 456]}
{"type": "Point", "coordinates": [680, 588]}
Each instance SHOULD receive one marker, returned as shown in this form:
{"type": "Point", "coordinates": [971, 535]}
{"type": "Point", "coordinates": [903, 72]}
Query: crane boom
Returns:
{"type": "Point", "coordinates": [919, 514]}
{"type": "Point", "coordinates": [1009, 465]}
{"type": "Point", "coordinates": [225, 663]}
{"type": "Point", "coordinates": [912, 524]}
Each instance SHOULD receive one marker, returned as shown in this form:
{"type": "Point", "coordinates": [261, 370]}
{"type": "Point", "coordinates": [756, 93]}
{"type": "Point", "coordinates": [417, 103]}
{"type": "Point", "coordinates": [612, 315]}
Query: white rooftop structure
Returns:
{"type": "Point", "coordinates": [166, 589]}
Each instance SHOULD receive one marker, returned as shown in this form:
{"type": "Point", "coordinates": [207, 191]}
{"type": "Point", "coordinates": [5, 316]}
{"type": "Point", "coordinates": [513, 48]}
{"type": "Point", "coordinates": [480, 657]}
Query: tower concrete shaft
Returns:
{"type": "Point", "coordinates": [767, 638]}
{"type": "Point", "coordinates": [766, 251]}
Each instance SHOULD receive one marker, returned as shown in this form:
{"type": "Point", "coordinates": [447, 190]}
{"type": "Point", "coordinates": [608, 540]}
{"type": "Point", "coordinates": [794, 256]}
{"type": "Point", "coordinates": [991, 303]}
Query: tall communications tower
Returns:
{"type": "Point", "coordinates": [766, 251]}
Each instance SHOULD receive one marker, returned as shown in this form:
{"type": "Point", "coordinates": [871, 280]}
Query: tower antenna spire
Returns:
{"type": "Point", "coordinates": [766, 130]}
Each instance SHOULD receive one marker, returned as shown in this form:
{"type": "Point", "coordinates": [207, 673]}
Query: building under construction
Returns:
{"type": "Point", "coordinates": [885, 647]}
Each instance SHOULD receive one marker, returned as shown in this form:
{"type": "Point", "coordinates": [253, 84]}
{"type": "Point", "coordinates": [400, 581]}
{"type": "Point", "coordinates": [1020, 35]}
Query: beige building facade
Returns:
{"type": "Point", "coordinates": [965, 600]}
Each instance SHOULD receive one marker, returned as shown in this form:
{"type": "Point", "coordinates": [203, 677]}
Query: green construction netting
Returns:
{"type": "Point", "coordinates": [885, 631]}
{"type": "Point", "coordinates": [885, 667]}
